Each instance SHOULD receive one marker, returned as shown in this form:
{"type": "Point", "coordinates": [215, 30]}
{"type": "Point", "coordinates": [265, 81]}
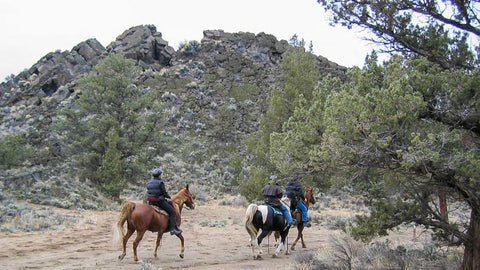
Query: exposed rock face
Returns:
{"type": "Point", "coordinates": [143, 43]}
{"type": "Point", "coordinates": [52, 71]}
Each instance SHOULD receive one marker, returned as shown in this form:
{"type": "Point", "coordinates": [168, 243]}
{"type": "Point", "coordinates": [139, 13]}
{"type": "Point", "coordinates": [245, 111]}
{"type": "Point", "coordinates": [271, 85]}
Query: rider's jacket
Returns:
{"type": "Point", "coordinates": [294, 190]}
{"type": "Point", "coordinates": [156, 190]}
{"type": "Point", "coordinates": [272, 194]}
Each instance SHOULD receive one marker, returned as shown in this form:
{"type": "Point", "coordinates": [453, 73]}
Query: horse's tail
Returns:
{"type": "Point", "coordinates": [126, 213]}
{"type": "Point", "coordinates": [249, 214]}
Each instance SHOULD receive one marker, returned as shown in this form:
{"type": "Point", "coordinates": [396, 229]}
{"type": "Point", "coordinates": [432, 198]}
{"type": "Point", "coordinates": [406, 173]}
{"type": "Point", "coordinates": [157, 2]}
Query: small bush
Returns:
{"type": "Point", "coordinates": [190, 48]}
{"type": "Point", "coordinates": [347, 253]}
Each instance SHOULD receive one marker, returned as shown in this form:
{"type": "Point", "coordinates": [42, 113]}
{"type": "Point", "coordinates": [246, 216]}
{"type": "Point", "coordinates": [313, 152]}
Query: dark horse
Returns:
{"type": "Point", "coordinates": [142, 217]}
{"type": "Point", "coordinates": [262, 217]}
{"type": "Point", "coordinates": [297, 215]}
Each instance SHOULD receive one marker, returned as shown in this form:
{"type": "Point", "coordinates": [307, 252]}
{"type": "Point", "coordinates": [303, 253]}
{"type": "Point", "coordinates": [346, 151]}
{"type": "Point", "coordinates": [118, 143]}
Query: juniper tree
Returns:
{"type": "Point", "coordinates": [111, 130]}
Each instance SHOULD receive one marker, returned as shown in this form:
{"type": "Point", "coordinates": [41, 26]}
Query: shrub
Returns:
{"type": "Point", "coordinates": [190, 48]}
{"type": "Point", "coordinates": [14, 151]}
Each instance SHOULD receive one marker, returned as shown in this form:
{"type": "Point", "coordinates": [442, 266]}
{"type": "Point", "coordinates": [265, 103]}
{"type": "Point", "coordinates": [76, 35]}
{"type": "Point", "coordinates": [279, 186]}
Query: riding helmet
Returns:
{"type": "Point", "coordinates": [156, 172]}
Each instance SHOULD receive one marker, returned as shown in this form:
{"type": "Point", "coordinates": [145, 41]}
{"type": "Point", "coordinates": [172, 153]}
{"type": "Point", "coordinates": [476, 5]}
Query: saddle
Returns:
{"type": "Point", "coordinates": [159, 210]}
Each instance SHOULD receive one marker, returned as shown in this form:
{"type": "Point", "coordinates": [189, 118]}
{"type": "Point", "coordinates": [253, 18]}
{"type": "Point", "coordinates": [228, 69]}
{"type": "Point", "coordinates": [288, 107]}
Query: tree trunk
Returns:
{"type": "Point", "coordinates": [442, 199]}
{"type": "Point", "coordinates": [471, 256]}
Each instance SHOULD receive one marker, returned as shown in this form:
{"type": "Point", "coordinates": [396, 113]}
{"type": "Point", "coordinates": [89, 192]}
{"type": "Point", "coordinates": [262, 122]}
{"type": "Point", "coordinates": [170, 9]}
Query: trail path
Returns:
{"type": "Point", "coordinates": [215, 238]}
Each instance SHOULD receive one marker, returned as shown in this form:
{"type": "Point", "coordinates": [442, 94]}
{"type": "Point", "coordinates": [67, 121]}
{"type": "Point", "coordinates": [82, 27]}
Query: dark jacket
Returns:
{"type": "Point", "coordinates": [156, 190]}
{"type": "Point", "coordinates": [272, 195]}
{"type": "Point", "coordinates": [294, 190]}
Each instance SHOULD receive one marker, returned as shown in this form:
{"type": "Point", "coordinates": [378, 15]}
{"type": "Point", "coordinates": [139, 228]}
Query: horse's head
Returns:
{"type": "Point", "coordinates": [187, 197]}
{"type": "Point", "coordinates": [309, 195]}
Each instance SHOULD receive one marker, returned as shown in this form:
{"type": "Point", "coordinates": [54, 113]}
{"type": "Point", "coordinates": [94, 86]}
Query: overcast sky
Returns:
{"type": "Point", "coordinates": [30, 29]}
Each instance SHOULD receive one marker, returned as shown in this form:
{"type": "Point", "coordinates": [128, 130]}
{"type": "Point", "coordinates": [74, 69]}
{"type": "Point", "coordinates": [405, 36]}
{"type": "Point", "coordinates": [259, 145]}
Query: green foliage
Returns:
{"type": "Point", "coordinates": [111, 131]}
{"type": "Point", "coordinates": [223, 123]}
{"type": "Point", "coordinates": [397, 132]}
{"type": "Point", "coordinates": [385, 215]}
{"type": "Point", "coordinates": [251, 187]}
{"type": "Point", "coordinates": [245, 92]}
{"type": "Point", "coordinates": [267, 145]}
{"type": "Point", "coordinates": [14, 151]}
{"type": "Point", "coordinates": [438, 30]}
{"type": "Point", "coordinates": [294, 41]}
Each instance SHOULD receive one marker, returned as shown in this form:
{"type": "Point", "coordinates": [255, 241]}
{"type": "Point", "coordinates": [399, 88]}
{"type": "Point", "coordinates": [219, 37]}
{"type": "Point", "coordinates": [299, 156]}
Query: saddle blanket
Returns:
{"type": "Point", "coordinates": [264, 210]}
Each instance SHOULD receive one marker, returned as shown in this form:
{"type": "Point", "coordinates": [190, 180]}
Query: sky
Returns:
{"type": "Point", "coordinates": [30, 29]}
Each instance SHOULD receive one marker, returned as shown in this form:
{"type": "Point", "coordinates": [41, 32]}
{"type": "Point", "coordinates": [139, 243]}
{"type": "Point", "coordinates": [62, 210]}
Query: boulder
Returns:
{"type": "Point", "coordinates": [143, 43]}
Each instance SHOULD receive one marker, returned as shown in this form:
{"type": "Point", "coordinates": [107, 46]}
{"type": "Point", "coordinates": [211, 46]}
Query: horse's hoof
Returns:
{"type": "Point", "coordinates": [259, 257]}
{"type": "Point", "coordinates": [292, 248]}
{"type": "Point", "coordinates": [121, 257]}
{"type": "Point", "coordinates": [274, 256]}
{"type": "Point", "coordinates": [181, 255]}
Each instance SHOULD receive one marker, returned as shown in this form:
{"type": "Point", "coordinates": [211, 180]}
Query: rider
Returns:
{"type": "Point", "coordinates": [295, 194]}
{"type": "Point", "coordinates": [157, 195]}
{"type": "Point", "coordinates": [272, 193]}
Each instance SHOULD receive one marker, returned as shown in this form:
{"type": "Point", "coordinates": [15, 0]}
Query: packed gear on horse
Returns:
{"type": "Point", "coordinates": [158, 195]}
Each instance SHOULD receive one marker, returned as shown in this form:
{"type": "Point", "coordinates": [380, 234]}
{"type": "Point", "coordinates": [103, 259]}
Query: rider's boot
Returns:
{"type": "Point", "coordinates": [175, 231]}
{"type": "Point", "coordinates": [173, 227]}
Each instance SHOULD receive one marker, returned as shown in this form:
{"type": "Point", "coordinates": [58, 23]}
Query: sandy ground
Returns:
{"type": "Point", "coordinates": [215, 238]}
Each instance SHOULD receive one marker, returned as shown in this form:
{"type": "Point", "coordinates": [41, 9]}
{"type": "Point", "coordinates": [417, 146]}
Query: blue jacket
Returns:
{"type": "Point", "coordinates": [156, 189]}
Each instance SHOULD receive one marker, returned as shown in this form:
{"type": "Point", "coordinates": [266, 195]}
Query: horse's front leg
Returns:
{"type": "Point", "coordinates": [299, 236]}
{"type": "Point", "coordinates": [283, 237]}
{"type": "Point", "coordinates": [303, 242]}
{"type": "Point", "coordinates": [279, 248]}
{"type": "Point", "coordinates": [182, 245]}
{"type": "Point", "coordinates": [159, 240]}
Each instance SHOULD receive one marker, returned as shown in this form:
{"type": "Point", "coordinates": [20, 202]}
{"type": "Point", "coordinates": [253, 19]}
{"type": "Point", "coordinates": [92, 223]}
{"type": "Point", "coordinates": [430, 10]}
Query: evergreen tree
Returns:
{"type": "Point", "coordinates": [437, 149]}
{"type": "Point", "coordinates": [14, 151]}
{"type": "Point", "coordinates": [380, 132]}
{"type": "Point", "coordinates": [438, 30]}
{"type": "Point", "coordinates": [300, 77]}
{"type": "Point", "coordinates": [111, 132]}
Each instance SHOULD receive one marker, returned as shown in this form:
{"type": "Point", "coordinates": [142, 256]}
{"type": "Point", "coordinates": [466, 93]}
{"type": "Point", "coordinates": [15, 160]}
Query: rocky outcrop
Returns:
{"type": "Point", "coordinates": [52, 71]}
{"type": "Point", "coordinates": [143, 44]}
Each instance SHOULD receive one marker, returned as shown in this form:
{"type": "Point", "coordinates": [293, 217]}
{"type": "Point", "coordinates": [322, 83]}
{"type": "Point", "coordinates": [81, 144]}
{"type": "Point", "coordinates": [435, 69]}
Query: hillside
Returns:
{"type": "Point", "coordinates": [233, 71]}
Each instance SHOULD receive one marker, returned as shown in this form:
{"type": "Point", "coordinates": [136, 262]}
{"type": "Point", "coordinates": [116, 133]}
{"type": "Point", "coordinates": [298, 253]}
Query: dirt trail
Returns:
{"type": "Point", "coordinates": [215, 238]}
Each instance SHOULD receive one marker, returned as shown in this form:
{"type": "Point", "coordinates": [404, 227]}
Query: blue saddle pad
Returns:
{"type": "Point", "coordinates": [275, 211]}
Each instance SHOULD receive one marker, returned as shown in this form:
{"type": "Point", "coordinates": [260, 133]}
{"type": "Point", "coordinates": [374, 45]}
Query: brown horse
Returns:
{"type": "Point", "coordinates": [297, 215]}
{"type": "Point", "coordinates": [142, 217]}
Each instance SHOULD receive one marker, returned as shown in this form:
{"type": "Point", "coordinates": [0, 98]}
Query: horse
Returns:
{"type": "Point", "coordinates": [263, 217]}
{"type": "Point", "coordinates": [297, 214]}
{"type": "Point", "coordinates": [142, 217]}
